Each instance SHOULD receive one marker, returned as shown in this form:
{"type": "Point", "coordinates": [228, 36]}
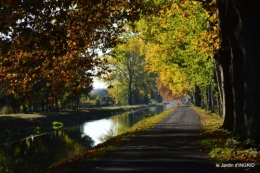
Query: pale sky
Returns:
{"type": "Point", "coordinates": [98, 84]}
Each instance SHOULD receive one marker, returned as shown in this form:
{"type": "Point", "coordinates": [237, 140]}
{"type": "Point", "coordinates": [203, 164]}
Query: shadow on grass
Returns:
{"type": "Point", "coordinates": [225, 148]}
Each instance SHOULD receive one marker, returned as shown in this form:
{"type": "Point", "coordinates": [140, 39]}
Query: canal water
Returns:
{"type": "Point", "coordinates": [36, 153]}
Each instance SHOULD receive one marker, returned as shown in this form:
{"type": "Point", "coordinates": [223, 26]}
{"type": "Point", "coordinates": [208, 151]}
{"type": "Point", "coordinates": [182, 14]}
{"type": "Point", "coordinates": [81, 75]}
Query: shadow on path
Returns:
{"type": "Point", "coordinates": [171, 146]}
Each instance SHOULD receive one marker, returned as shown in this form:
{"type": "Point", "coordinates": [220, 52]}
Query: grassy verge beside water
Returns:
{"type": "Point", "coordinates": [75, 162]}
{"type": "Point", "coordinates": [19, 126]}
{"type": "Point", "coordinates": [223, 148]}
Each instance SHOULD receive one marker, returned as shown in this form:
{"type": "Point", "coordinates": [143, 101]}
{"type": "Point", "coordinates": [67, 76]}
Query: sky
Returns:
{"type": "Point", "coordinates": [98, 84]}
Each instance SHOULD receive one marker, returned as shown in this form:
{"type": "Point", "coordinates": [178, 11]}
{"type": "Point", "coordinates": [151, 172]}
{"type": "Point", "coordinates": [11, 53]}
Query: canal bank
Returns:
{"type": "Point", "coordinates": [37, 153]}
{"type": "Point", "coordinates": [18, 126]}
{"type": "Point", "coordinates": [172, 145]}
{"type": "Point", "coordinates": [78, 161]}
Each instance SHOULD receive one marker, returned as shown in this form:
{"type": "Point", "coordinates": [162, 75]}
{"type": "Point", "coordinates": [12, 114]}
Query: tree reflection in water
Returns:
{"type": "Point", "coordinates": [36, 154]}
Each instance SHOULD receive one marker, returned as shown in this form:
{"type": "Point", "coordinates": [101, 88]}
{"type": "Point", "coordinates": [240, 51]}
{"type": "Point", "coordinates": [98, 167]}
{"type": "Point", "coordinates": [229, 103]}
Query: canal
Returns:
{"type": "Point", "coordinates": [37, 153]}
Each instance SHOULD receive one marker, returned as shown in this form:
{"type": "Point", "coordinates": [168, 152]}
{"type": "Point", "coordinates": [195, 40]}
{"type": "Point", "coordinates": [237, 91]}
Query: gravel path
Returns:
{"type": "Point", "coordinates": [171, 146]}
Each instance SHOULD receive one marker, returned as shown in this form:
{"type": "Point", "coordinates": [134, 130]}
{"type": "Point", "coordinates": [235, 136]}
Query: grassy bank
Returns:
{"type": "Point", "coordinates": [70, 165]}
{"type": "Point", "coordinates": [18, 126]}
{"type": "Point", "coordinates": [223, 148]}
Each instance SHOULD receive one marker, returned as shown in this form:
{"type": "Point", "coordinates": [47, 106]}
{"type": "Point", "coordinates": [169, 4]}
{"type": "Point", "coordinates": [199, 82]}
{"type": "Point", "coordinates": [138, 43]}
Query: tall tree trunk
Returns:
{"type": "Point", "coordinates": [56, 104]}
{"type": "Point", "coordinates": [130, 94]}
{"type": "Point", "coordinates": [197, 96]}
{"type": "Point", "coordinates": [219, 88]}
{"type": "Point", "coordinates": [223, 60]}
{"type": "Point", "coordinates": [248, 38]}
{"type": "Point", "coordinates": [24, 109]}
{"type": "Point", "coordinates": [236, 70]}
{"type": "Point", "coordinates": [209, 97]}
{"type": "Point", "coordinates": [42, 106]}
{"type": "Point", "coordinates": [61, 105]}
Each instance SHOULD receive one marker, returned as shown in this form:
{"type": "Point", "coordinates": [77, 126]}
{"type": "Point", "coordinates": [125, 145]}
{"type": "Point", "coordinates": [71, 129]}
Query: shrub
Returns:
{"type": "Point", "coordinates": [8, 110]}
{"type": "Point", "coordinates": [98, 102]}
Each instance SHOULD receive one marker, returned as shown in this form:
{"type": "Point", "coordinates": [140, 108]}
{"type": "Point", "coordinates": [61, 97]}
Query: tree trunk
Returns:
{"type": "Point", "coordinates": [236, 70]}
{"type": "Point", "coordinates": [130, 94]}
{"type": "Point", "coordinates": [24, 109]}
{"type": "Point", "coordinates": [56, 104]}
{"type": "Point", "coordinates": [248, 38]}
{"type": "Point", "coordinates": [223, 60]}
{"type": "Point", "coordinates": [217, 75]}
{"type": "Point", "coordinates": [209, 97]}
{"type": "Point", "coordinates": [42, 106]}
{"type": "Point", "coordinates": [197, 96]}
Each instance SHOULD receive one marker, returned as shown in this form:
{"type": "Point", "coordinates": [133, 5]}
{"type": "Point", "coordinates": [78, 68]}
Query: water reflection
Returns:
{"type": "Point", "coordinates": [37, 153]}
{"type": "Point", "coordinates": [104, 129]}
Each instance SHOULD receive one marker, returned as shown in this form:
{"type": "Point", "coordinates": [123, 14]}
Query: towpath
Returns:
{"type": "Point", "coordinates": [171, 146]}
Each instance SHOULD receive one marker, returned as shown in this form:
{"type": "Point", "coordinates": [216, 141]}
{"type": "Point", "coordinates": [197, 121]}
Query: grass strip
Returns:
{"type": "Point", "coordinates": [226, 150]}
{"type": "Point", "coordinates": [76, 162]}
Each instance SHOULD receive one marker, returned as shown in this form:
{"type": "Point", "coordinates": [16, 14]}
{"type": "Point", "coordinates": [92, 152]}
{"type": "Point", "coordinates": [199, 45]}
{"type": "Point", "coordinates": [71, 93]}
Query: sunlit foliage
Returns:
{"type": "Point", "coordinates": [57, 42]}
{"type": "Point", "coordinates": [131, 84]}
{"type": "Point", "coordinates": [181, 44]}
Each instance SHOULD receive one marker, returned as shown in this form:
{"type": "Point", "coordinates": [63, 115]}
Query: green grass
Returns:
{"type": "Point", "coordinates": [57, 124]}
{"type": "Point", "coordinates": [223, 147]}
{"type": "Point", "coordinates": [75, 162]}
{"type": "Point", "coordinates": [38, 129]}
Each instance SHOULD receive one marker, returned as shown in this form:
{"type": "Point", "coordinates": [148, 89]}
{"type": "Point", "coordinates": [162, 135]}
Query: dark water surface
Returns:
{"type": "Point", "coordinates": [36, 153]}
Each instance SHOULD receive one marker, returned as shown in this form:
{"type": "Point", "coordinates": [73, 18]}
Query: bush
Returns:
{"type": "Point", "coordinates": [98, 102]}
{"type": "Point", "coordinates": [8, 110]}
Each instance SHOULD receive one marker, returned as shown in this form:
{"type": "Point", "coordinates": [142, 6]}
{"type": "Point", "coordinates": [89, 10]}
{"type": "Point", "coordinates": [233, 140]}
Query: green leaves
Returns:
{"type": "Point", "coordinates": [128, 76]}
{"type": "Point", "coordinates": [179, 46]}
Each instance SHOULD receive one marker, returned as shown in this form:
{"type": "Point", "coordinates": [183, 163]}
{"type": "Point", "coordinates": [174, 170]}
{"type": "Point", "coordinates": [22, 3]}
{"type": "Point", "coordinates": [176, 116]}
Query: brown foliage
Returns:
{"type": "Point", "coordinates": [57, 41]}
{"type": "Point", "coordinates": [165, 92]}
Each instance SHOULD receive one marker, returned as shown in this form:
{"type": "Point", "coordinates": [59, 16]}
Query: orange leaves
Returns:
{"type": "Point", "coordinates": [110, 86]}
{"type": "Point", "coordinates": [185, 16]}
{"type": "Point", "coordinates": [63, 48]}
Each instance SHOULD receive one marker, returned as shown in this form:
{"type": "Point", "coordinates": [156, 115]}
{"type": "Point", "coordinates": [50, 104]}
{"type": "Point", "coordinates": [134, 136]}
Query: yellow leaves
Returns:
{"type": "Point", "coordinates": [10, 91]}
{"type": "Point", "coordinates": [152, 30]}
{"type": "Point", "coordinates": [142, 36]}
{"type": "Point", "coordinates": [213, 18]}
{"type": "Point", "coordinates": [164, 24]}
{"type": "Point", "coordinates": [195, 2]}
{"type": "Point", "coordinates": [169, 12]}
{"type": "Point", "coordinates": [161, 11]}
{"type": "Point", "coordinates": [53, 21]}
{"type": "Point", "coordinates": [18, 42]}
{"type": "Point", "coordinates": [214, 35]}
{"type": "Point", "coordinates": [215, 28]}
{"type": "Point", "coordinates": [25, 54]}
{"type": "Point", "coordinates": [175, 6]}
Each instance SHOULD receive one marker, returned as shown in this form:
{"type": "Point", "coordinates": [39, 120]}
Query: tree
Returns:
{"type": "Point", "coordinates": [37, 37]}
{"type": "Point", "coordinates": [237, 24]}
{"type": "Point", "coordinates": [130, 80]}
{"type": "Point", "coordinates": [57, 41]}
{"type": "Point", "coordinates": [179, 47]}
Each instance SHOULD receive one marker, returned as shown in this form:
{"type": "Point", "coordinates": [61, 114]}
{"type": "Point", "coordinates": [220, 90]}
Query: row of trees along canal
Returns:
{"type": "Point", "coordinates": [190, 47]}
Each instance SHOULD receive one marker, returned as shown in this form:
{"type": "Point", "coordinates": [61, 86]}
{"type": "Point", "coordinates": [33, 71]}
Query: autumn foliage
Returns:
{"type": "Point", "coordinates": [57, 42]}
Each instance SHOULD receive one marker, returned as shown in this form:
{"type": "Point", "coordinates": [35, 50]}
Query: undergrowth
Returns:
{"type": "Point", "coordinates": [224, 148]}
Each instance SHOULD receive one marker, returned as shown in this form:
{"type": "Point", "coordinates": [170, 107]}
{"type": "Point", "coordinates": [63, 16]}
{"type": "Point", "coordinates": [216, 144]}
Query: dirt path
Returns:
{"type": "Point", "coordinates": [171, 146]}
